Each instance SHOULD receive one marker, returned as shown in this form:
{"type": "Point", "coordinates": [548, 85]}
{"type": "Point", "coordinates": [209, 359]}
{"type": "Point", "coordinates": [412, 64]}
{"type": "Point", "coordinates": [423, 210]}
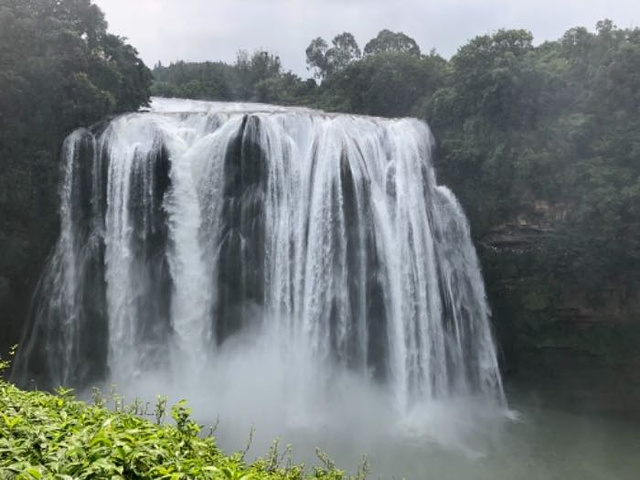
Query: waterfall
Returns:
{"type": "Point", "coordinates": [184, 226]}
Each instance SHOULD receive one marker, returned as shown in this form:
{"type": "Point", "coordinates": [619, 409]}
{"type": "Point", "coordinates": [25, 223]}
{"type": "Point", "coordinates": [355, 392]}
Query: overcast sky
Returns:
{"type": "Point", "coordinates": [196, 30]}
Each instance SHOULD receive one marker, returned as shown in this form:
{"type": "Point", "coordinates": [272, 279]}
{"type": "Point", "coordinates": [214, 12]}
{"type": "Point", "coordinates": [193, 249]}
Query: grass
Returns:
{"type": "Point", "coordinates": [55, 436]}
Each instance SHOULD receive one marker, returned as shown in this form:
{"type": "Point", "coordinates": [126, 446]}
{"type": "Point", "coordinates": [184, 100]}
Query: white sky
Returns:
{"type": "Point", "coordinates": [197, 30]}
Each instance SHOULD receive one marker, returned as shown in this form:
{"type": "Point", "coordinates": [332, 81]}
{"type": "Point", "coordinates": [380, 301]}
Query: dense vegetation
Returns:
{"type": "Point", "coordinates": [59, 69]}
{"type": "Point", "coordinates": [258, 77]}
{"type": "Point", "coordinates": [57, 437]}
{"type": "Point", "coordinates": [557, 123]}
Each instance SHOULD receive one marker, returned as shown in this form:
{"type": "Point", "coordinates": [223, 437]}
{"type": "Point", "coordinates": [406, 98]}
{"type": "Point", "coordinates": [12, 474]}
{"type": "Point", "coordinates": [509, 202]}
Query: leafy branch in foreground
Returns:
{"type": "Point", "coordinates": [55, 436]}
{"type": "Point", "coordinates": [5, 364]}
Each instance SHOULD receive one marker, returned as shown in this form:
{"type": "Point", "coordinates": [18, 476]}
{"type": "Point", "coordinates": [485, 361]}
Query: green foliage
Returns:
{"type": "Point", "coordinates": [388, 41]}
{"type": "Point", "coordinates": [317, 57]}
{"type": "Point", "coordinates": [258, 77]}
{"type": "Point", "coordinates": [326, 61]}
{"type": "Point", "coordinates": [202, 81]}
{"type": "Point", "coordinates": [558, 123]}
{"type": "Point", "coordinates": [389, 84]}
{"type": "Point", "coordinates": [345, 50]}
{"type": "Point", "coordinates": [250, 71]}
{"type": "Point", "coordinates": [55, 436]}
{"type": "Point", "coordinates": [5, 364]}
{"type": "Point", "coordinates": [59, 69]}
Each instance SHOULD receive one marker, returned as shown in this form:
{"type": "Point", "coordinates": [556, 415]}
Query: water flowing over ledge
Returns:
{"type": "Point", "coordinates": [324, 237]}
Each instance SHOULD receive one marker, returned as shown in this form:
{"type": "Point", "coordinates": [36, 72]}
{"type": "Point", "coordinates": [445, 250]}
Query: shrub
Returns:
{"type": "Point", "coordinates": [44, 435]}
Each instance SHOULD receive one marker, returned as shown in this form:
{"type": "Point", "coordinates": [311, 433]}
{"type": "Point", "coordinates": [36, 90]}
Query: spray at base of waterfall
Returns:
{"type": "Point", "coordinates": [261, 380]}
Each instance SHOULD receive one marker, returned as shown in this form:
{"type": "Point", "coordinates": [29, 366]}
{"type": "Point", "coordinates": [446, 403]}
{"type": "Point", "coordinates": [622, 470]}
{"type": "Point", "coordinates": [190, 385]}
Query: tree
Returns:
{"type": "Point", "coordinates": [317, 57]}
{"type": "Point", "coordinates": [344, 51]}
{"type": "Point", "coordinates": [389, 84]}
{"type": "Point", "coordinates": [486, 119]}
{"type": "Point", "coordinates": [256, 77]}
{"type": "Point", "coordinates": [251, 70]}
{"type": "Point", "coordinates": [325, 61]}
{"type": "Point", "coordinates": [487, 73]}
{"type": "Point", "coordinates": [388, 41]}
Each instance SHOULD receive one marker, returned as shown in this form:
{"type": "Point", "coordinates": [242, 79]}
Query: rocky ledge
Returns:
{"type": "Point", "coordinates": [568, 334]}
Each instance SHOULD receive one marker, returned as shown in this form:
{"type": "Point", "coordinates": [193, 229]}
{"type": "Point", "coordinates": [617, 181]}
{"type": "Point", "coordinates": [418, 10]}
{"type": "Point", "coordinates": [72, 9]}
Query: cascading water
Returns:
{"type": "Point", "coordinates": [185, 226]}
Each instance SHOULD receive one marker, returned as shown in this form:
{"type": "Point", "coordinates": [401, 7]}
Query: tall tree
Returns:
{"type": "Point", "coordinates": [317, 57]}
{"type": "Point", "coordinates": [325, 61]}
{"type": "Point", "coordinates": [389, 84]}
{"type": "Point", "coordinates": [388, 41]}
{"type": "Point", "coordinates": [345, 50]}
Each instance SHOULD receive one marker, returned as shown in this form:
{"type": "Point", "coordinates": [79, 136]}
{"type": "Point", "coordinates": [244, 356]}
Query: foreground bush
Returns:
{"type": "Point", "coordinates": [58, 437]}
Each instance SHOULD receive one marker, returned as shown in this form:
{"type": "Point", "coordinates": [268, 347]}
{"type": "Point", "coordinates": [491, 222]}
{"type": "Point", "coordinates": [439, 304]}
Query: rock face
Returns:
{"type": "Point", "coordinates": [25, 242]}
{"type": "Point", "coordinates": [568, 337]}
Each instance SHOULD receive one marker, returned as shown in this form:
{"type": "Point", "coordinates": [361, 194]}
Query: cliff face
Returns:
{"type": "Point", "coordinates": [28, 230]}
{"type": "Point", "coordinates": [568, 333]}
